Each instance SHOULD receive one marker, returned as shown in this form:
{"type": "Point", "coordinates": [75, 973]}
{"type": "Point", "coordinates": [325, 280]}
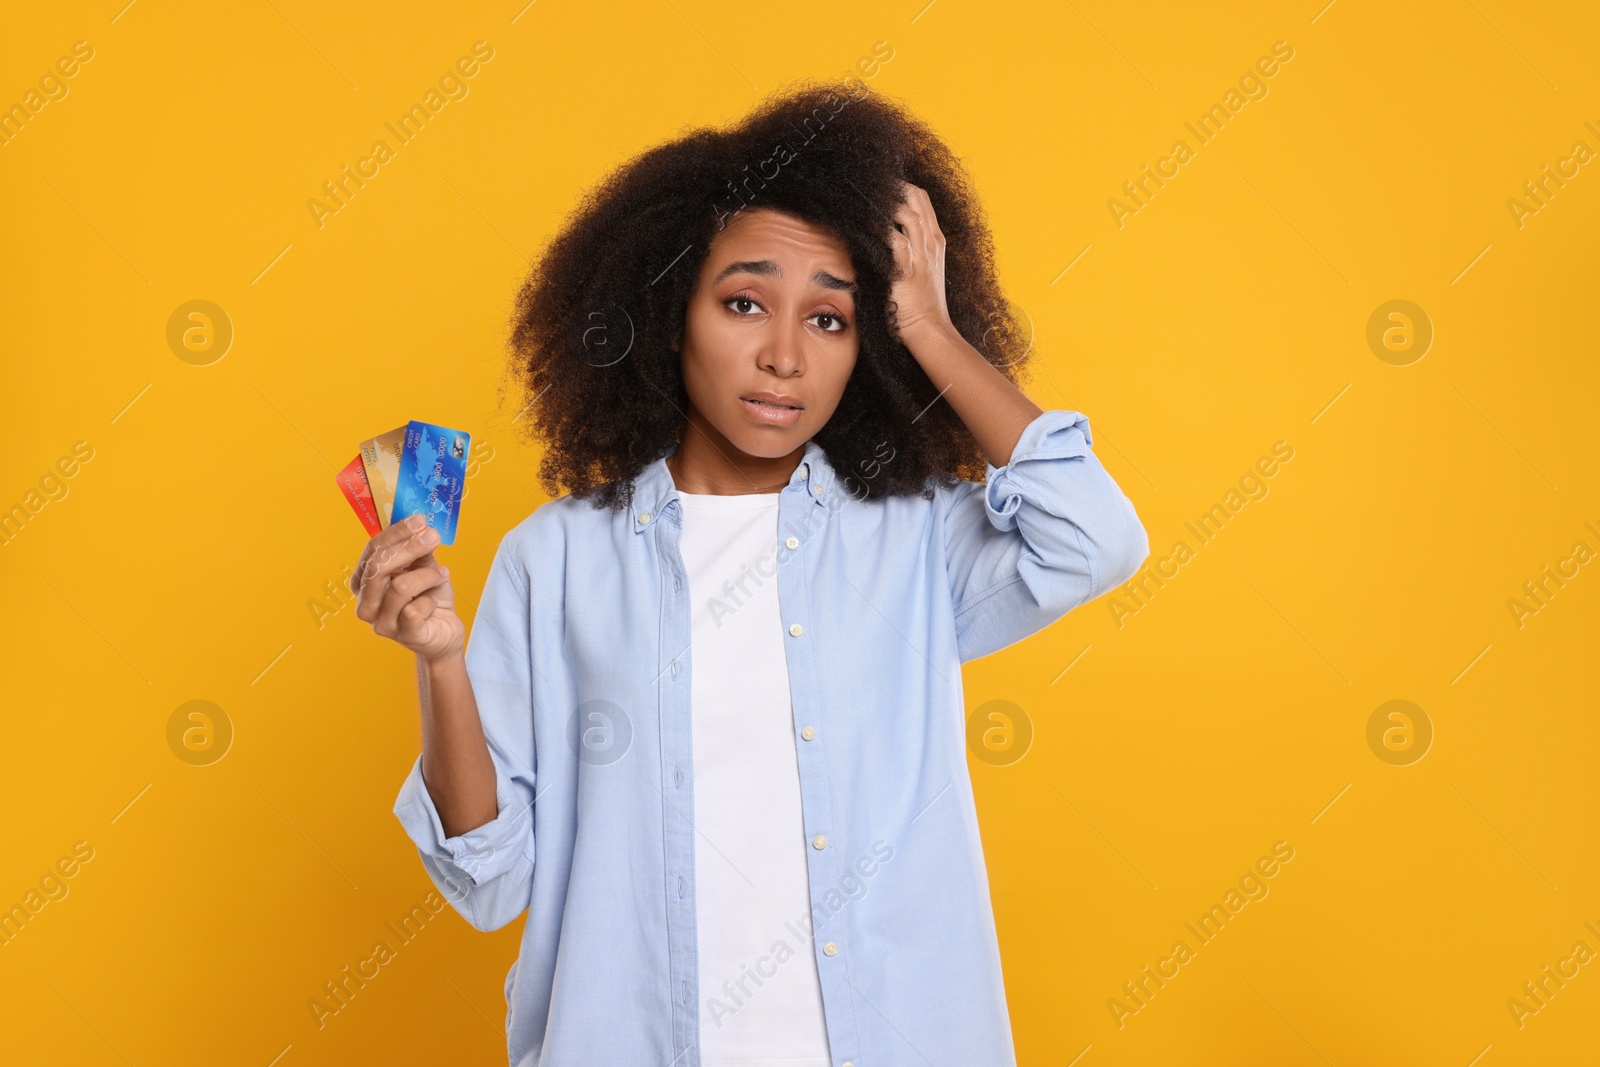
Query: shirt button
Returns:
{"type": "Point", "coordinates": [830, 949]}
{"type": "Point", "coordinates": [808, 733]}
{"type": "Point", "coordinates": [795, 630]}
{"type": "Point", "coordinates": [793, 543]}
{"type": "Point", "coordinates": [819, 842]}
{"type": "Point", "coordinates": [644, 516]}
{"type": "Point", "coordinates": [674, 669]}
{"type": "Point", "coordinates": [818, 488]}
{"type": "Point", "coordinates": [677, 776]}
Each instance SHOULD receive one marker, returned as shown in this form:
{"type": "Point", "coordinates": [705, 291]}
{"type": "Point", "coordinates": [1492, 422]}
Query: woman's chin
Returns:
{"type": "Point", "coordinates": [768, 442]}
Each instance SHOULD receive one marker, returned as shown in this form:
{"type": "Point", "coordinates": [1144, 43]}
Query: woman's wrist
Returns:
{"type": "Point", "coordinates": [929, 334]}
{"type": "Point", "coordinates": [444, 663]}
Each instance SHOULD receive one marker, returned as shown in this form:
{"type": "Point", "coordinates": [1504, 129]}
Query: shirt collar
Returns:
{"type": "Point", "coordinates": [654, 490]}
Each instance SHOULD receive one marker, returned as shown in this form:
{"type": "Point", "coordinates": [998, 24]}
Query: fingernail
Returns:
{"type": "Point", "coordinates": [444, 572]}
{"type": "Point", "coordinates": [414, 522]}
{"type": "Point", "coordinates": [430, 537]}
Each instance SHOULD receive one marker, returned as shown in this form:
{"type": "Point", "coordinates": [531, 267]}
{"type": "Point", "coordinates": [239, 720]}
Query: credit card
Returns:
{"type": "Point", "coordinates": [433, 473]}
{"type": "Point", "coordinates": [353, 484]}
{"type": "Point", "coordinates": [381, 458]}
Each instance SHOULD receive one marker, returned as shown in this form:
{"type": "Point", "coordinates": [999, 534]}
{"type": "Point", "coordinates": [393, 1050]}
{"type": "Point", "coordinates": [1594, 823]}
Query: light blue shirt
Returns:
{"type": "Point", "coordinates": [580, 661]}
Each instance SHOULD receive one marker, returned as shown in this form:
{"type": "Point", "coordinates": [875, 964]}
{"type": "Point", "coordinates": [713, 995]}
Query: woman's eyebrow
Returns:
{"type": "Point", "coordinates": [828, 281]}
{"type": "Point", "coordinates": [768, 268]}
{"type": "Point", "coordinates": [748, 266]}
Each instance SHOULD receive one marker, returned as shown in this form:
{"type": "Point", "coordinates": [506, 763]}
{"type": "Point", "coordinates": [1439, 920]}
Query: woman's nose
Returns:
{"type": "Point", "coordinates": [781, 350]}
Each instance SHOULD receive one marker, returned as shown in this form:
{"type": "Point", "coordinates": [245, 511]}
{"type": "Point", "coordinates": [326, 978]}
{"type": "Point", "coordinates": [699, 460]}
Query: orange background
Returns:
{"type": "Point", "coordinates": [1171, 747]}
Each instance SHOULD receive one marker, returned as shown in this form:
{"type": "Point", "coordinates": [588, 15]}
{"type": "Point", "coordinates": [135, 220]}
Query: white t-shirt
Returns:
{"type": "Point", "coordinates": [760, 995]}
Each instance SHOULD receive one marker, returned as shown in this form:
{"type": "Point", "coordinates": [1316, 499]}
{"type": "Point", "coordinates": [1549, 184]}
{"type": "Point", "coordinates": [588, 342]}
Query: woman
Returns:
{"type": "Point", "coordinates": [709, 733]}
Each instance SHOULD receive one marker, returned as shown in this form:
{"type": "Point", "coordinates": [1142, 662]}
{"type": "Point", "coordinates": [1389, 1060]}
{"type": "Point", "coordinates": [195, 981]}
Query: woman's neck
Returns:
{"type": "Point", "coordinates": [700, 465]}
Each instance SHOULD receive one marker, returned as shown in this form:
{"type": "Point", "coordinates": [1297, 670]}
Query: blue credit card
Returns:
{"type": "Point", "coordinates": [433, 472]}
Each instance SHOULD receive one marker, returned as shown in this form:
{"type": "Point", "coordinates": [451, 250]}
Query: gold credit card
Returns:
{"type": "Point", "coordinates": [381, 458]}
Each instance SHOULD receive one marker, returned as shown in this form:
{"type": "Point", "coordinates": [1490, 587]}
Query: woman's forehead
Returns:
{"type": "Point", "coordinates": [766, 234]}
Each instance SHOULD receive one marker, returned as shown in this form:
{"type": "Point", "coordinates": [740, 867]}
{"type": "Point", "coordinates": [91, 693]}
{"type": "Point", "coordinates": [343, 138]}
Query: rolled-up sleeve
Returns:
{"type": "Point", "coordinates": [1043, 534]}
{"type": "Point", "coordinates": [487, 872]}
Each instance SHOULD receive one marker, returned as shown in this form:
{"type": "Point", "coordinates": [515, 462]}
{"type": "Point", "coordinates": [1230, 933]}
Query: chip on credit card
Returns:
{"type": "Point", "coordinates": [416, 469]}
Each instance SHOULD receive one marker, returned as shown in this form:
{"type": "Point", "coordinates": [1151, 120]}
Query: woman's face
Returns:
{"type": "Point", "coordinates": [773, 318]}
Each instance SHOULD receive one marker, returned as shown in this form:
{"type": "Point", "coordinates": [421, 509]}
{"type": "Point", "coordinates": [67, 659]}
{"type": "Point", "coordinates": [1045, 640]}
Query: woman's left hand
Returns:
{"type": "Point", "coordinates": [917, 292]}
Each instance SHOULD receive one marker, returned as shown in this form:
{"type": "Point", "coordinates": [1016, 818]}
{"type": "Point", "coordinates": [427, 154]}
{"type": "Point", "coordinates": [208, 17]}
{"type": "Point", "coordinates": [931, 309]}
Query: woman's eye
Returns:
{"type": "Point", "coordinates": [828, 321]}
{"type": "Point", "coordinates": [740, 305]}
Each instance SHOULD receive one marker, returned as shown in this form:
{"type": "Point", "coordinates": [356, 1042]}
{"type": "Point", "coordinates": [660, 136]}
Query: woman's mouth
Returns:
{"type": "Point", "coordinates": [769, 411]}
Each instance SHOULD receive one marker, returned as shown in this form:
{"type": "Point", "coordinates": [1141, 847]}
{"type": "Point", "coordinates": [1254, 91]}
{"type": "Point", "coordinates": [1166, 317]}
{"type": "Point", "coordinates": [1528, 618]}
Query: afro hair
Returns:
{"type": "Point", "coordinates": [595, 320]}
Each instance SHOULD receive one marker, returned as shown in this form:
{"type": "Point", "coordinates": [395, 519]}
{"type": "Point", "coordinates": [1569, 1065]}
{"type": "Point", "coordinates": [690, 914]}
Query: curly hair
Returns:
{"type": "Point", "coordinates": [595, 320]}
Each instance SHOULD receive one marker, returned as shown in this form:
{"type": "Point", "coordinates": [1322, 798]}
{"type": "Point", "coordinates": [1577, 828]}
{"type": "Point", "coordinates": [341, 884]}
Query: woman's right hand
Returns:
{"type": "Point", "coordinates": [404, 592]}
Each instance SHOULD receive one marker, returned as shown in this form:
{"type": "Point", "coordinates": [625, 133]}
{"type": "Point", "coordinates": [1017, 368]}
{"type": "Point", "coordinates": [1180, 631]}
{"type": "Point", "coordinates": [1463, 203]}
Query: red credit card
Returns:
{"type": "Point", "coordinates": [353, 484]}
